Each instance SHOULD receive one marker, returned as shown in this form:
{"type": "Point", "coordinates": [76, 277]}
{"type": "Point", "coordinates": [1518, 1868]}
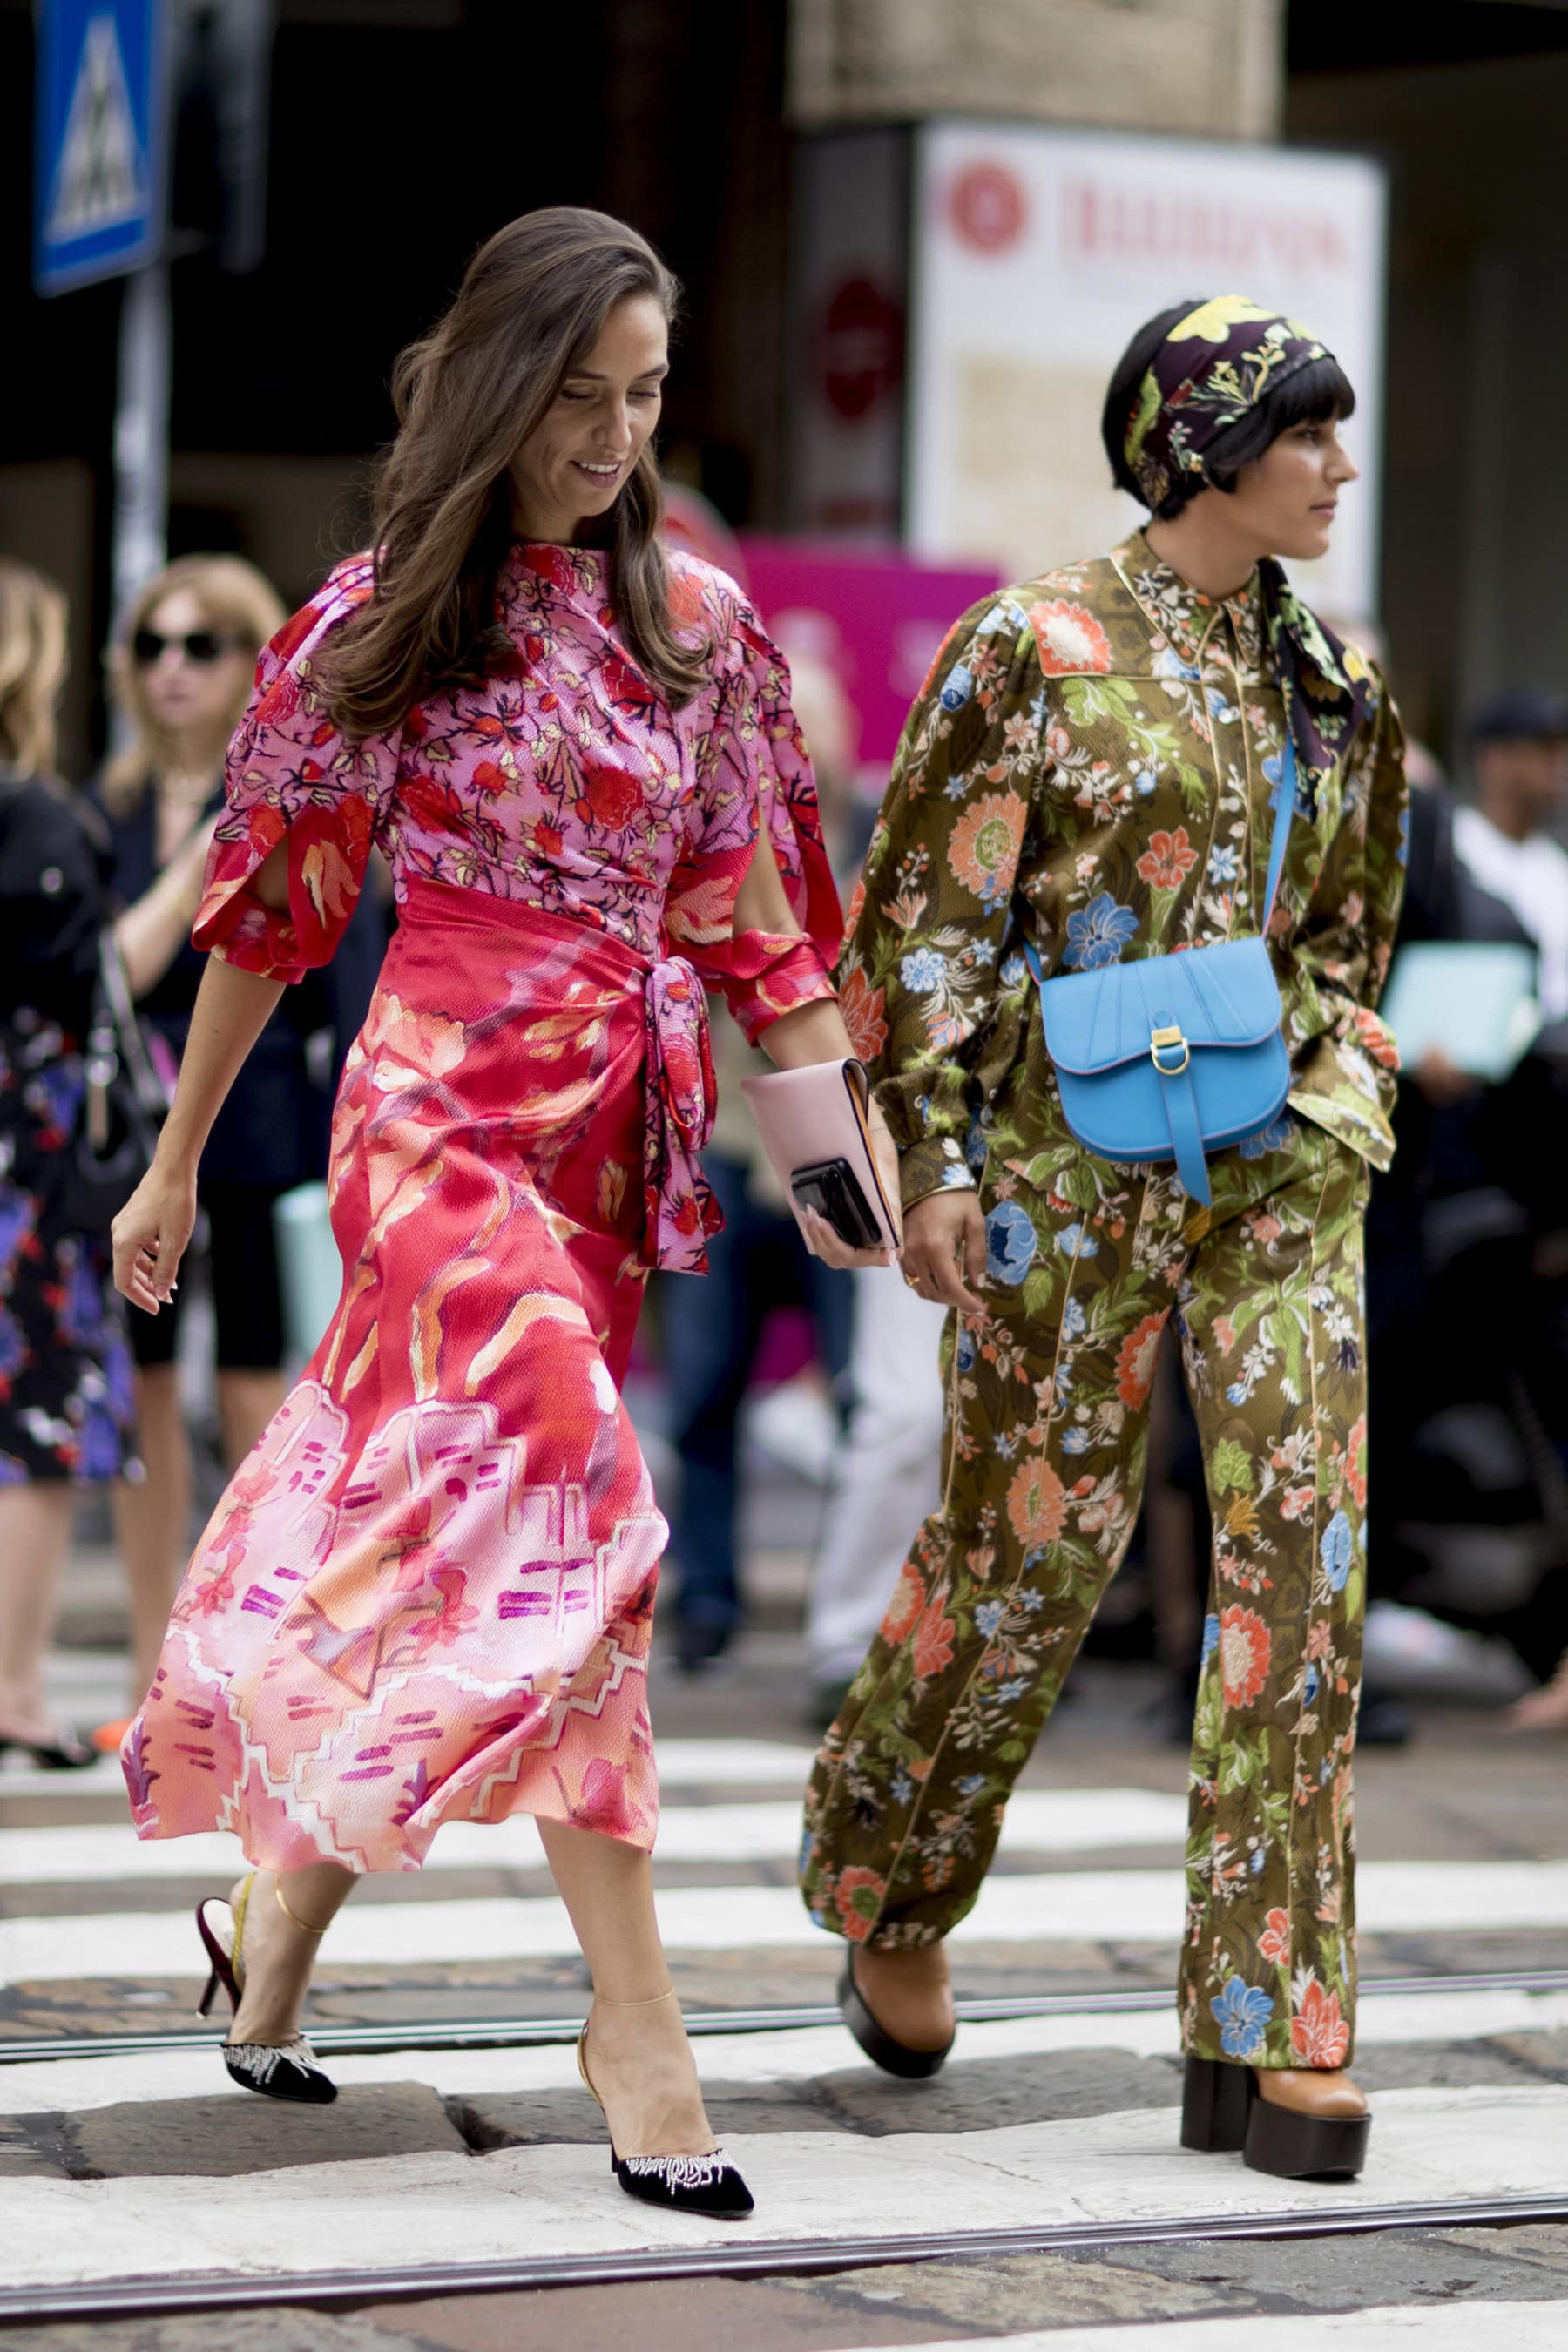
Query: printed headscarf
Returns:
{"type": "Point", "coordinates": [1211, 370]}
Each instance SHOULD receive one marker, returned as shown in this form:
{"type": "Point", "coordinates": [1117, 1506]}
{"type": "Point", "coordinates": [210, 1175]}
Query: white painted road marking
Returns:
{"type": "Point", "coordinates": [1469, 2326]}
{"type": "Point", "coordinates": [1038, 1821]}
{"type": "Point", "coordinates": [560, 2200]}
{"type": "Point", "coordinates": [1125, 1906]}
{"type": "Point", "coordinates": [708, 1763]}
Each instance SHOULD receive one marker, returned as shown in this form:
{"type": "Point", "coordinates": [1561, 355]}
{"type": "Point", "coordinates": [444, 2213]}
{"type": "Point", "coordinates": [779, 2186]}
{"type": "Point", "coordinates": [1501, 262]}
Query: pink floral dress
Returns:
{"type": "Point", "coordinates": [427, 1593]}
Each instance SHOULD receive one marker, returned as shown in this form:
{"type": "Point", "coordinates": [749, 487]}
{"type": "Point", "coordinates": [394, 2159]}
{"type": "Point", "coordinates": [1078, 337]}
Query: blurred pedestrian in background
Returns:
{"type": "Point", "coordinates": [1469, 1514]}
{"type": "Point", "coordinates": [711, 1331]}
{"type": "Point", "coordinates": [886, 1476]}
{"type": "Point", "coordinates": [1506, 842]}
{"type": "Point", "coordinates": [181, 670]}
{"type": "Point", "coordinates": [65, 1371]}
{"type": "Point", "coordinates": [1096, 772]}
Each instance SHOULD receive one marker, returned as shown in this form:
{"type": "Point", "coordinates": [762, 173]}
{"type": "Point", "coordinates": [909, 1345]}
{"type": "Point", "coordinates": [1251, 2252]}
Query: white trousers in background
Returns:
{"type": "Point", "coordinates": [887, 1473]}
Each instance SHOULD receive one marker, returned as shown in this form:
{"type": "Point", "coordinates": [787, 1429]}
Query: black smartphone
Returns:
{"type": "Point", "coordinates": [832, 1188]}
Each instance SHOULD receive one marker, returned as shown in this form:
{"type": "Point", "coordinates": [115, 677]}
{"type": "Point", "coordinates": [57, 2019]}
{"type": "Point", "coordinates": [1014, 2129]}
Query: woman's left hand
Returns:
{"type": "Point", "coordinates": [824, 1242]}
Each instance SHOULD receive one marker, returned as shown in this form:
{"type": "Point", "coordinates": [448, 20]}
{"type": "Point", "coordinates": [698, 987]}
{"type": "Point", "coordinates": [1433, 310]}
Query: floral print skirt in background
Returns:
{"type": "Point", "coordinates": [67, 1406]}
{"type": "Point", "coordinates": [1043, 1468]}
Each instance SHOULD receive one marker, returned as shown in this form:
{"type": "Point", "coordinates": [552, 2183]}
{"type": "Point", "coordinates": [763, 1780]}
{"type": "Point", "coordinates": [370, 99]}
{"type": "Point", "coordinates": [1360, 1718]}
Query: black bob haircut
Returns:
{"type": "Point", "coordinates": [1316, 395]}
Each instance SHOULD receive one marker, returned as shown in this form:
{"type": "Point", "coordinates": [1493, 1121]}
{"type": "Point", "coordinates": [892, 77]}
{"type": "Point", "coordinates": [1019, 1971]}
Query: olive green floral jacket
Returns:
{"type": "Point", "coordinates": [1088, 766]}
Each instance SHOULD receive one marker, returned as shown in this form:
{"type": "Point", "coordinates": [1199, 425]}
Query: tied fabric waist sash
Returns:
{"type": "Point", "coordinates": [679, 1201]}
{"type": "Point", "coordinates": [532, 963]}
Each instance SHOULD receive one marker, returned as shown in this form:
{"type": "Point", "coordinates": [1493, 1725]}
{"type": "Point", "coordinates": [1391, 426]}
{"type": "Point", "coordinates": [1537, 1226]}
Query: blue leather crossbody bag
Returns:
{"type": "Point", "coordinates": [1178, 1056]}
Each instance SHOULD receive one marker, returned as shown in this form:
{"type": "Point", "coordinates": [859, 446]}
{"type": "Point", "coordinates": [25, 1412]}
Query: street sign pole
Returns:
{"type": "Point", "coordinates": [99, 212]}
{"type": "Point", "coordinates": [105, 72]}
{"type": "Point", "coordinates": [141, 435]}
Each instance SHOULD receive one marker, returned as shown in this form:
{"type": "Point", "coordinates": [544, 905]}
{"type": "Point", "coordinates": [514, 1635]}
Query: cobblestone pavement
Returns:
{"type": "Point", "coordinates": [119, 2165]}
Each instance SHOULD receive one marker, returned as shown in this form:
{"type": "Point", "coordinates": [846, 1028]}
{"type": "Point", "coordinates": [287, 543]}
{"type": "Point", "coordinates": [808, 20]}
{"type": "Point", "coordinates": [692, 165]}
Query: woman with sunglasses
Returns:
{"type": "Point", "coordinates": [428, 1593]}
{"type": "Point", "coordinates": [180, 669]}
{"type": "Point", "coordinates": [65, 1371]}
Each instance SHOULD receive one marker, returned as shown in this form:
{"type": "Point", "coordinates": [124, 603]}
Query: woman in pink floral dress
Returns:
{"type": "Point", "coordinates": [427, 1593]}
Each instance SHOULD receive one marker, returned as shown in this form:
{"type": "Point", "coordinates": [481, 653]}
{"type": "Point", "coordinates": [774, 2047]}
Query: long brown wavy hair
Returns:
{"type": "Point", "coordinates": [529, 310]}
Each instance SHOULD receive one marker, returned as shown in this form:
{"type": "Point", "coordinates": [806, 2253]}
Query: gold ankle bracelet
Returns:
{"type": "Point", "coordinates": [651, 2002]}
{"type": "Point", "coordinates": [293, 1916]}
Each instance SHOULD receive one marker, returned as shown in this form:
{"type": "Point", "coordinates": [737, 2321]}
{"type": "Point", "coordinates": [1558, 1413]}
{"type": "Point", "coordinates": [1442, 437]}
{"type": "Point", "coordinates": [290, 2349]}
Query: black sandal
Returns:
{"type": "Point", "coordinates": [893, 2057]}
{"type": "Point", "coordinates": [1224, 2111]}
{"type": "Point", "coordinates": [60, 1754]}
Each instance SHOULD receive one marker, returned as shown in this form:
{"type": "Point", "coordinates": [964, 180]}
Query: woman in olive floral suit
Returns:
{"type": "Point", "coordinates": [1089, 769]}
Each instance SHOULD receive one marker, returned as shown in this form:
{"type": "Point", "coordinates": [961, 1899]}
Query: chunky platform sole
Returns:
{"type": "Point", "coordinates": [1224, 2112]}
{"type": "Point", "coordinates": [893, 2057]}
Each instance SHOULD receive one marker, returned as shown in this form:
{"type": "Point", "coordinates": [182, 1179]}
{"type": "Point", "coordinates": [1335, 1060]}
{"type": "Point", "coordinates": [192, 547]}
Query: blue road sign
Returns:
{"type": "Point", "coordinates": [99, 139]}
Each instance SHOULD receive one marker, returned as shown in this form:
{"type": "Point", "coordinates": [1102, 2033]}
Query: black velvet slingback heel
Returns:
{"type": "Point", "coordinates": [683, 2184]}
{"type": "Point", "coordinates": [279, 2070]}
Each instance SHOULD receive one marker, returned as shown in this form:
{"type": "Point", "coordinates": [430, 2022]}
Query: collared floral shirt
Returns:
{"type": "Point", "coordinates": [562, 783]}
{"type": "Point", "coordinates": [1088, 767]}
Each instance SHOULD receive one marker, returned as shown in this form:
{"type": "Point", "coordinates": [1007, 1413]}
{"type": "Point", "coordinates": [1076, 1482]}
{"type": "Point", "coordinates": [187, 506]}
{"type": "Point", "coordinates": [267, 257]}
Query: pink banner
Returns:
{"type": "Point", "coordinates": [874, 615]}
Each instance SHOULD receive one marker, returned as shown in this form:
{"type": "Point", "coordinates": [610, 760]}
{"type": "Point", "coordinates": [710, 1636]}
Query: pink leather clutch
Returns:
{"type": "Point", "coordinates": [811, 1120]}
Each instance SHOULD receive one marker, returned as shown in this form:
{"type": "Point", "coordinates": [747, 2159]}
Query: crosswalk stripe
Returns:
{"type": "Point", "coordinates": [445, 2206]}
{"type": "Point", "coordinates": [1129, 1905]}
{"type": "Point", "coordinates": [1041, 1821]}
{"type": "Point", "coordinates": [682, 1763]}
{"type": "Point", "coordinates": [76, 2086]}
{"type": "Point", "coordinates": [559, 2199]}
{"type": "Point", "coordinates": [1422, 2327]}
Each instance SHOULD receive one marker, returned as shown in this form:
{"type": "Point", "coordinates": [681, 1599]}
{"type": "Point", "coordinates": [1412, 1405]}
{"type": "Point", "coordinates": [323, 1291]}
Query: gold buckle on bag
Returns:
{"type": "Point", "coordinates": [1161, 1041]}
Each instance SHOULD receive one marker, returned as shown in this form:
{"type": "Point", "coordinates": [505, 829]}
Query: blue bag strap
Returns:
{"type": "Point", "coordinates": [1284, 811]}
{"type": "Point", "coordinates": [1186, 1134]}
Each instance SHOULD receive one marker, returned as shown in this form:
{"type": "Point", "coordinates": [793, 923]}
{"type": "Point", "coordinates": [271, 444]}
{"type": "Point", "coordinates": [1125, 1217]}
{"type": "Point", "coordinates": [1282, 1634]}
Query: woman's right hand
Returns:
{"type": "Point", "coordinates": [151, 1234]}
{"type": "Point", "coordinates": [943, 1255]}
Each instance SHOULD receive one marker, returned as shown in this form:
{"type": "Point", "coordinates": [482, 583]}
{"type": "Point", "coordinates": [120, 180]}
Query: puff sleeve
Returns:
{"type": "Point", "coordinates": [754, 775]}
{"type": "Point", "coordinates": [920, 978]}
{"type": "Point", "coordinates": [290, 774]}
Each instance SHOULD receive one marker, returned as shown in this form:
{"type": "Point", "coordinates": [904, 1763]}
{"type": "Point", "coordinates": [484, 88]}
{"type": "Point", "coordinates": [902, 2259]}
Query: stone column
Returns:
{"type": "Point", "coordinates": [1209, 69]}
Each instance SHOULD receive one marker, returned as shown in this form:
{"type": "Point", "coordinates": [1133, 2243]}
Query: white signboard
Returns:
{"type": "Point", "coordinates": [1037, 256]}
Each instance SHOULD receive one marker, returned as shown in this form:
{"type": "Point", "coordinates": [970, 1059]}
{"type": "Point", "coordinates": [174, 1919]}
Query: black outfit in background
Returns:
{"type": "Point", "coordinates": [66, 1408]}
{"type": "Point", "coordinates": [272, 1132]}
{"type": "Point", "coordinates": [1451, 1234]}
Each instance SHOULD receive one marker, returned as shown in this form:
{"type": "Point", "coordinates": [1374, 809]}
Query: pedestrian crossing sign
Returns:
{"type": "Point", "coordinates": [99, 166]}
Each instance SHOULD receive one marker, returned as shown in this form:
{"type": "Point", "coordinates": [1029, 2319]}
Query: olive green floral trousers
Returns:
{"type": "Point", "coordinates": [1043, 1466]}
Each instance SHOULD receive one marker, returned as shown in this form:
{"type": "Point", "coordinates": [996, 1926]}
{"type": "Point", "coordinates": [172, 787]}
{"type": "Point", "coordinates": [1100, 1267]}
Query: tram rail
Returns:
{"type": "Point", "coordinates": [541, 2032]}
{"type": "Point", "coordinates": [770, 2258]}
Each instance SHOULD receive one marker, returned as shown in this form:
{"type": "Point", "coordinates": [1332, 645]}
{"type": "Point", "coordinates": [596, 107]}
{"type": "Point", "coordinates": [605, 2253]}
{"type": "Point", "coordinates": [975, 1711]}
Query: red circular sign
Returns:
{"type": "Point", "coordinates": [862, 347]}
{"type": "Point", "coordinates": [988, 207]}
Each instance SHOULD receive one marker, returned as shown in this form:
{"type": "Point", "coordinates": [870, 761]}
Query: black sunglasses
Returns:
{"type": "Point", "coordinates": [149, 646]}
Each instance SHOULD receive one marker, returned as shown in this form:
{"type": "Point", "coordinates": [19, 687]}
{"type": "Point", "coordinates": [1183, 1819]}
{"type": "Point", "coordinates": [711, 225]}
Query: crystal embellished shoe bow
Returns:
{"type": "Point", "coordinates": [279, 2070]}
{"type": "Point", "coordinates": [689, 2184]}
